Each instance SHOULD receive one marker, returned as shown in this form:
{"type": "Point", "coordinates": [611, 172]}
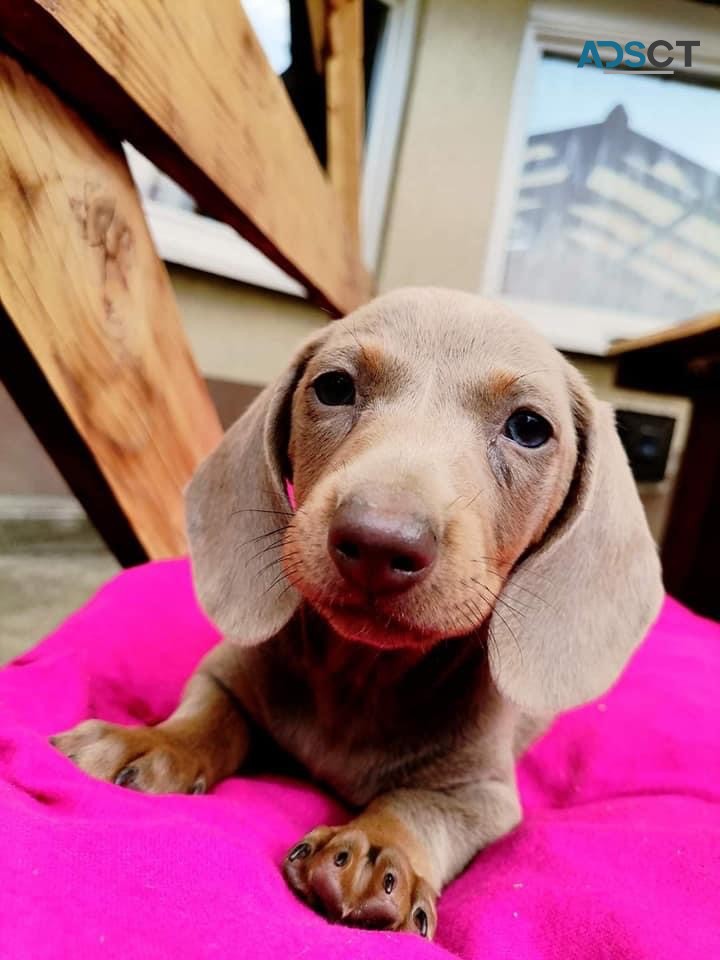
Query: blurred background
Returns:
{"type": "Point", "coordinates": [491, 163]}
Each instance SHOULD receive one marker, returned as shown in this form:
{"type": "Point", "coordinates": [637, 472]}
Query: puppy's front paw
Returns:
{"type": "Point", "coordinates": [340, 873]}
{"type": "Point", "coordinates": [148, 759]}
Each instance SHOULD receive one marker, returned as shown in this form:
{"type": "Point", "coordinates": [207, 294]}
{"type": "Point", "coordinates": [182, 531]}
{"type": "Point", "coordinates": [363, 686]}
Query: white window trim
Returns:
{"type": "Point", "coordinates": [386, 109]}
{"type": "Point", "coordinates": [191, 240]}
{"type": "Point", "coordinates": [186, 238]}
{"type": "Point", "coordinates": [562, 26]}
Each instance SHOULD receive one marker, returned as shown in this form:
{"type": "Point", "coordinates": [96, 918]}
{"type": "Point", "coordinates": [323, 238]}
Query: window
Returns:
{"type": "Point", "coordinates": [183, 235]}
{"type": "Point", "coordinates": [611, 225]}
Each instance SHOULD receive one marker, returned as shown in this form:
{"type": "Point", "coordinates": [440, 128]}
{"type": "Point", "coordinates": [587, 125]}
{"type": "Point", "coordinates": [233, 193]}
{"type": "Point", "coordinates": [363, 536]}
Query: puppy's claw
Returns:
{"type": "Point", "coordinates": [146, 759]}
{"type": "Point", "coordinates": [421, 921]}
{"type": "Point", "coordinates": [126, 777]}
{"type": "Point", "coordinates": [299, 852]}
{"type": "Point", "coordinates": [199, 787]}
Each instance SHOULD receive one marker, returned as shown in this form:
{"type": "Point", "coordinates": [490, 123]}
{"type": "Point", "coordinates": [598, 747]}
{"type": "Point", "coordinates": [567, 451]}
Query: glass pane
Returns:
{"type": "Point", "coordinates": [618, 204]}
{"type": "Point", "coordinates": [271, 22]}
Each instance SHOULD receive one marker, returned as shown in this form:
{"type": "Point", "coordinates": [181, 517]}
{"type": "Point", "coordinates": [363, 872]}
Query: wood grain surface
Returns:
{"type": "Point", "coordinates": [92, 345]}
{"type": "Point", "coordinates": [345, 104]}
{"type": "Point", "coordinates": [188, 83]}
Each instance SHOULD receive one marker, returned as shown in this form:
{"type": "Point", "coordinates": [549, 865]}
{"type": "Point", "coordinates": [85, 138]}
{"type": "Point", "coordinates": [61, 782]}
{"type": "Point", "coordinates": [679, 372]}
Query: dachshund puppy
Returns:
{"type": "Point", "coordinates": [463, 555]}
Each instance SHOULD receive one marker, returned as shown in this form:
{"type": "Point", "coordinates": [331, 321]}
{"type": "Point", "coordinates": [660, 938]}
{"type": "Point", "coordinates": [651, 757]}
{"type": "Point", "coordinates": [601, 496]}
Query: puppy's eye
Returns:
{"type": "Point", "coordinates": [528, 429]}
{"type": "Point", "coordinates": [335, 389]}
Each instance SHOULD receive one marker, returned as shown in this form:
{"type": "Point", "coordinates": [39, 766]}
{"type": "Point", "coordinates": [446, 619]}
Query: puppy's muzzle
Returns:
{"type": "Point", "coordinates": [382, 546]}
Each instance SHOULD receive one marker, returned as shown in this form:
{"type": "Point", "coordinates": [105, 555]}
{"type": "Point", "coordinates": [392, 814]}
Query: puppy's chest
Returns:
{"type": "Point", "coordinates": [366, 722]}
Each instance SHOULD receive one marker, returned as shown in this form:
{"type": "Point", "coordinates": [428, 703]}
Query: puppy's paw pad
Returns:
{"type": "Point", "coordinates": [344, 876]}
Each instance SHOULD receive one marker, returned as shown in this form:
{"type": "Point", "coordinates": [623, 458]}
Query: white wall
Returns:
{"type": "Point", "coordinates": [450, 157]}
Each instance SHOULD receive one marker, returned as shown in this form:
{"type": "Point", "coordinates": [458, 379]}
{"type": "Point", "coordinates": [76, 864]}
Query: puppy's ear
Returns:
{"type": "Point", "coordinates": [237, 508]}
{"type": "Point", "coordinates": [597, 572]}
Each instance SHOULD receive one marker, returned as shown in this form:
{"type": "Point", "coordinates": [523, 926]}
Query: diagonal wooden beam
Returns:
{"type": "Point", "coordinates": [190, 86]}
{"type": "Point", "coordinates": [317, 18]}
{"type": "Point", "coordinates": [91, 344]}
{"type": "Point", "coordinates": [345, 103]}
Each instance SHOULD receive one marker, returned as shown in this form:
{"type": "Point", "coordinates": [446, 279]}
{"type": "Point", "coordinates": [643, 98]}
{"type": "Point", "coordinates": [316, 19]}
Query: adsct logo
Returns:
{"type": "Point", "coordinates": [634, 55]}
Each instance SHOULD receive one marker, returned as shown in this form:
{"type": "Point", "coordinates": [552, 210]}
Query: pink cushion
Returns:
{"type": "Point", "coordinates": [619, 854]}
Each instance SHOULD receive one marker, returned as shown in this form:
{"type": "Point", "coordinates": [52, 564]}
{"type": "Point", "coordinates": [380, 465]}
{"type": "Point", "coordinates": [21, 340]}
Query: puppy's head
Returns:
{"type": "Point", "coordinates": [452, 474]}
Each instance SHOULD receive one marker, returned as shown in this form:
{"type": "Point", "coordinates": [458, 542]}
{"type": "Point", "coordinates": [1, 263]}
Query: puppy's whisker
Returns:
{"type": "Point", "coordinates": [520, 614]}
{"type": "Point", "coordinates": [293, 567]}
{"type": "Point", "coordinates": [290, 584]}
{"type": "Point", "coordinates": [475, 615]}
{"type": "Point", "coordinates": [508, 628]}
{"type": "Point", "coordinates": [262, 536]}
{"type": "Point", "coordinates": [484, 592]}
{"type": "Point", "coordinates": [272, 546]}
{"type": "Point", "coordinates": [498, 598]}
{"type": "Point", "coordinates": [493, 639]}
{"type": "Point", "coordinates": [275, 561]}
{"type": "Point", "coordinates": [352, 333]}
{"type": "Point", "coordinates": [282, 576]}
{"type": "Point", "coordinates": [508, 564]}
{"type": "Point", "coordinates": [523, 376]}
{"type": "Point", "coordinates": [509, 585]}
{"type": "Point", "coordinates": [279, 513]}
{"type": "Point", "coordinates": [473, 499]}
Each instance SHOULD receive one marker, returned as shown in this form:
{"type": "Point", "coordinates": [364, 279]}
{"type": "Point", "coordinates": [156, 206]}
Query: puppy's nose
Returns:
{"type": "Point", "coordinates": [381, 550]}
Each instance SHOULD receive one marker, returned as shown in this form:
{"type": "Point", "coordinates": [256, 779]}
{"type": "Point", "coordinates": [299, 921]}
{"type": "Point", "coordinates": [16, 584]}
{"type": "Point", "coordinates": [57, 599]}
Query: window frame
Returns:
{"type": "Point", "coordinates": [189, 239]}
{"type": "Point", "coordinates": [562, 27]}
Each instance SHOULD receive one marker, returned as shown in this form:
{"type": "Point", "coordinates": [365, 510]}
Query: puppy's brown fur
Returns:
{"type": "Point", "coordinates": [411, 706]}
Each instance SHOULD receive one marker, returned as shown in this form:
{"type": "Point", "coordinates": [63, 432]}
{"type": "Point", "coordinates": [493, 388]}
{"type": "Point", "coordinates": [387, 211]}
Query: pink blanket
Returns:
{"type": "Point", "coordinates": [618, 857]}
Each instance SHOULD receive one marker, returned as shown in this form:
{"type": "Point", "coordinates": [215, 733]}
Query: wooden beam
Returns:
{"type": "Point", "coordinates": [688, 364]}
{"type": "Point", "coordinates": [702, 324]}
{"type": "Point", "coordinates": [92, 348]}
{"type": "Point", "coordinates": [345, 104]}
{"type": "Point", "coordinates": [36, 400]}
{"type": "Point", "coordinates": [190, 86]}
{"type": "Point", "coordinates": [685, 360]}
{"type": "Point", "coordinates": [690, 545]}
{"type": "Point", "coordinates": [317, 19]}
